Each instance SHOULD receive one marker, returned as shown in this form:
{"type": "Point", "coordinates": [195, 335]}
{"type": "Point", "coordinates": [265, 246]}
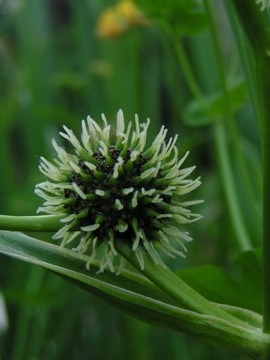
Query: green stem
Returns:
{"type": "Point", "coordinates": [188, 72]}
{"type": "Point", "coordinates": [174, 286]}
{"type": "Point", "coordinates": [39, 223]}
{"type": "Point", "coordinates": [226, 172]}
{"type": "Point", "coordinates": [253, 23]}
{"type": "Point", "coordinates": [162, 277]}
{"type": "Point", "coordinates": [228, 184]}
{"type": "Point", "coordinates": [265, 80]}
{"type": "Point", "coordinates": [246, 315]}
{"type": "Point", "coordinates": [131, 293]}
{"type": "Point", "coordinates": [236, 218]}
{"type": "Point", "coordinates": [258, 33]}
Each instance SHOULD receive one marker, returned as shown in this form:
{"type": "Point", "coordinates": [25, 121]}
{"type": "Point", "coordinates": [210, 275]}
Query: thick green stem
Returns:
{"type": "Point", "coordinates": [253, 23]}
{"type": "Point", "coordinates": [39, 223]}
{"type": "Point", "coordinates": [163, 277]}
{"type": "Point", "coordinates": [258, 34]}
{"type": "Point", "coordinates": [266, 208]}
{"type": "Point", "coordinates": [133, 294]}
{"type": "Point", "coordinates": [172, 285]}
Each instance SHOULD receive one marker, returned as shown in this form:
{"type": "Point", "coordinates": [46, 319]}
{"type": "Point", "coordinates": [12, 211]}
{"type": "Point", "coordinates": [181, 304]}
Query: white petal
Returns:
{"type": "Point", "coordinates": [134, 201]}
{"type": "Point", "coordinates": [69, 135]}
{"type": "Point", "coordinates": [118, 204]}
{"type": "Point", "coordinates": [90, 227]}
{"type": "Point", "coordinates": [120, 123]}
{"type": "Point", "coordinates": [148, 172]}
{"type": "Point", "coordinates": [127, 191]}
{"type": "Point", "coordinates": [78, 191]}
{"type": "Point", "coordinates": [100, 192]}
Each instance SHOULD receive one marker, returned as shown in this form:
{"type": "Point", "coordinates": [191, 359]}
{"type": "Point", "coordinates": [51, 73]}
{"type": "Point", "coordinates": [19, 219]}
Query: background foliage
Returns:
{"type": "Point", "coordinates": [55, 70]}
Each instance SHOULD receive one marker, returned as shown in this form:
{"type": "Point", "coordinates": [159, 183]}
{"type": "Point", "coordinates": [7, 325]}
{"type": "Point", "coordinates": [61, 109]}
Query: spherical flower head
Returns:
{"type": "Point", "coordinates": [265, 4]}
{"type": "Point", "coordinates": [112, 187]}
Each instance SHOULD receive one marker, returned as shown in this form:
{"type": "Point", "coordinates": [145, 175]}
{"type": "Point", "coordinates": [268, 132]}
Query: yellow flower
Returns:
{"type": "Point", "coordinates": [111, 24]}
{"type": "Point", "coordinates": [118, 19]}
{"type": "Point", "coordinates": [131, 13]}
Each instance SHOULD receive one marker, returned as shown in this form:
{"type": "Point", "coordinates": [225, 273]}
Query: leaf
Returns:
{"type": "Point", "coordinates": [250, 263]}
{"type": "Point", "coordinates": [213, 283]}
{"type": "Point", "coordinates": [216, 285]}
{"type": "Point", "coordinates": [60, 260]}
{"type": "Point", "coordinates": [194, 115]}
{"type": "Point", "coordinates": [131, 293]}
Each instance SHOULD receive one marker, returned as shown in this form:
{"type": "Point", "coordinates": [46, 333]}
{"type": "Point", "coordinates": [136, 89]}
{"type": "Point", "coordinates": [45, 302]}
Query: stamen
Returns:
{"type": "Point", "coordinates": [118, 204]}
{"type": "Point", "coordinates": [134, 201]}
{"type": "Point", "coordinates": [78, 191]}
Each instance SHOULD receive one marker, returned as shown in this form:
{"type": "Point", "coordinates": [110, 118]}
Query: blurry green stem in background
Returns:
{"type": "Point", "coordinates": [222, 151]}
{"type": "Point", "coordinates": [228, 184]}
{"type": "Point", "coordinates": [24, 325]}
{"type": "Point", "coordinates": [188, 71]}
{"type": "Point", "coordinates": [220, 137]}
{"type": "Point", "coordinates": [258, 34]}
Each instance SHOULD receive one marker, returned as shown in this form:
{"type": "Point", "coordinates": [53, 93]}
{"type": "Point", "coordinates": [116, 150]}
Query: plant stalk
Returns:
{"type": "Point", "coordinates": [219, 134]}
{"type": "Point", "coordinates": [164, 278]}
{"type": "Point", "coordinates": [258, 34]}
{"type": "Point", "coordinates": [123, 293]}
{"type": "Point", "coordinates": [174, 286]}
{"type": "Point", "coordinates": [39, 223]}
{"type": "Point", "coordinates": [222, 148]}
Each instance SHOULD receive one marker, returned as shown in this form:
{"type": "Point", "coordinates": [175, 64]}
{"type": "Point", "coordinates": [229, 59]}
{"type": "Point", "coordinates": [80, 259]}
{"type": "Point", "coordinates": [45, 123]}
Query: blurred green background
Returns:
{"type": "Point", "coordinates": [56, 70]}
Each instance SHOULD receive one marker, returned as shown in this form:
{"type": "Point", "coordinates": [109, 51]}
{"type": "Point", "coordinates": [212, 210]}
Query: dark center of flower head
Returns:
{"type": "Point", "coordinates": [112, 200]}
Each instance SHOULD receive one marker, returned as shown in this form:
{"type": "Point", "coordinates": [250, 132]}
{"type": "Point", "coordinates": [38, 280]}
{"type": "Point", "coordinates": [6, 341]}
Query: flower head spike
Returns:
{"type": "Point", "coordinates": [113, 187]}
{"type": "Point", "coordinates": [265, 4]}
